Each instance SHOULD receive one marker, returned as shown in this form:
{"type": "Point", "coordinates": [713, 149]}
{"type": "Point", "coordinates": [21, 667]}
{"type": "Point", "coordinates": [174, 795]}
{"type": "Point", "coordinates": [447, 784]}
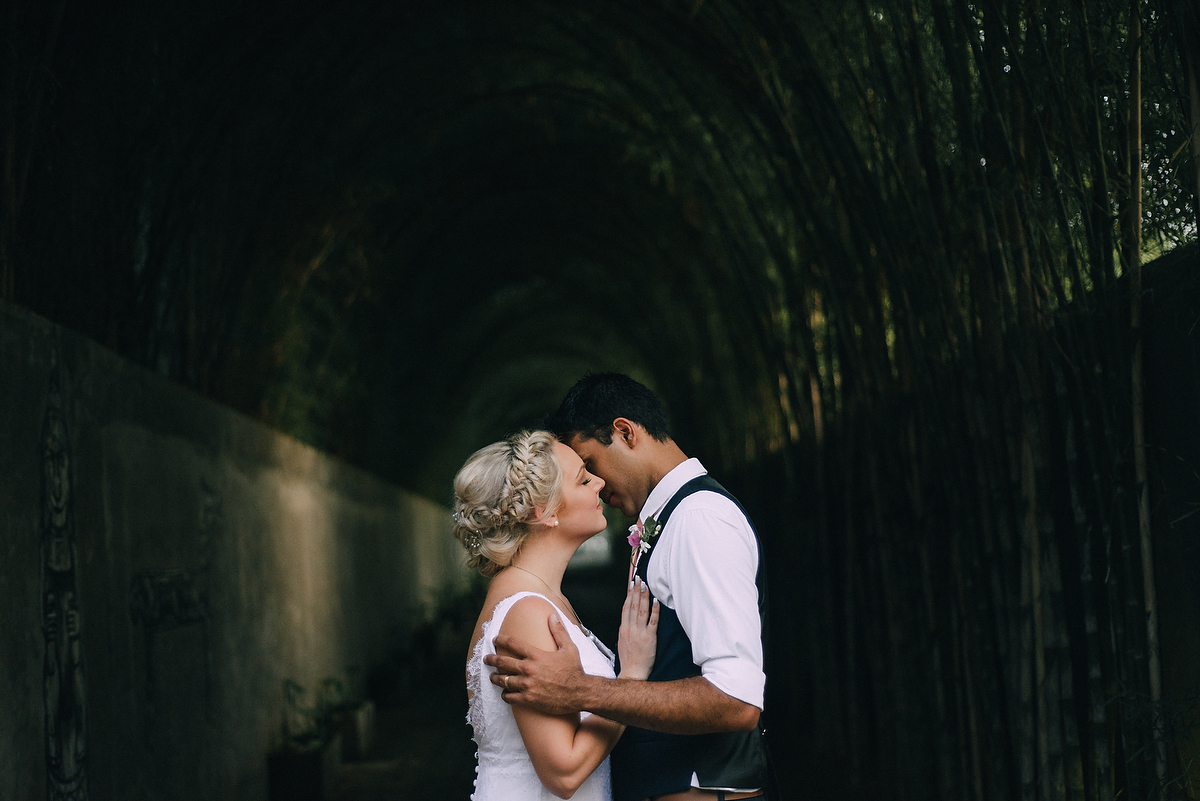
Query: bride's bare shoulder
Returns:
{"type": "Point", "coordinates": [529, 621]}
{"type": "Point", "coordinates": [505, 585]}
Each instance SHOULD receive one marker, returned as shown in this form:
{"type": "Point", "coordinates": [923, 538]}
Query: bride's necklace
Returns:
{"type": "Point", "coordinates": [574, 614]}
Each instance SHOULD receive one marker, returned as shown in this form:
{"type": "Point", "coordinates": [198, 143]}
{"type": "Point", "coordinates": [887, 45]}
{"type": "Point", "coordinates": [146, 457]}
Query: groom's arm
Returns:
{"type": "Point", "coordinates": [554, 683]}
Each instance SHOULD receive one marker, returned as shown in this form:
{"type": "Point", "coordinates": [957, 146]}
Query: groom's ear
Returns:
{"type": "Point", "coordinates": [626, 431]}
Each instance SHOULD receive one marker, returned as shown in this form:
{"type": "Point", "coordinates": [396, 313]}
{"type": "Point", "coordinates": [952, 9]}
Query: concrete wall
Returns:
{"type": "Point", "coordinates": [165, 564]}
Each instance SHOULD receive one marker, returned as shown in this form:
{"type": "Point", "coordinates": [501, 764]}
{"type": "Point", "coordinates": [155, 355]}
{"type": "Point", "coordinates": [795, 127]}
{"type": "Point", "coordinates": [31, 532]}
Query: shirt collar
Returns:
{"type": "Point", "coordinates": [681, 474]}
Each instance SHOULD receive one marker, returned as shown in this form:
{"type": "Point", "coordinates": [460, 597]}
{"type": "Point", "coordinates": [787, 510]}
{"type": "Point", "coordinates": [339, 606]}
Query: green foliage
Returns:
{"type": "Point", "coordinates": [321, 328]}
{"type": "Point", "coordinates": [309, 726]}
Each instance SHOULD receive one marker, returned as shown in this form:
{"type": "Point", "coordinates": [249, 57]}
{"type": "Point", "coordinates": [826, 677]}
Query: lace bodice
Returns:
{"type": "Point", "coordinates": [505, 772]}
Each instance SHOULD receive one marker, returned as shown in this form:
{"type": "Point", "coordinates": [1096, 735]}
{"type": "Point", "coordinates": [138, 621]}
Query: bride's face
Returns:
{"type": "Point", "coordinates": [580, 510]}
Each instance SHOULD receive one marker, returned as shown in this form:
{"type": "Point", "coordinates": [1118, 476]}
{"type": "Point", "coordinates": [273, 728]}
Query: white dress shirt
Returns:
{"type": "Point", "coordinates": [703, 568]}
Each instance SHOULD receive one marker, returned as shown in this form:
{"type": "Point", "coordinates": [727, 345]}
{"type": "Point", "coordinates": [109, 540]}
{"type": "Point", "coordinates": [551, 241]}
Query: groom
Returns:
{"type": "Point", "coordinates": [694, 725]}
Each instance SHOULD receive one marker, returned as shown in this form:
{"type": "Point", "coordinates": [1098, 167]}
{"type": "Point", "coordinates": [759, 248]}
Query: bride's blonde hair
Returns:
{"type": "Point", "coordinates": [497, 494]}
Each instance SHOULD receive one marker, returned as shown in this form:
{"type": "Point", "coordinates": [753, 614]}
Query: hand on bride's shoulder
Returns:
{"type": "Point", "coordinates": [537, 663]}
{"type": "Point", "coordinates": [638, 638]}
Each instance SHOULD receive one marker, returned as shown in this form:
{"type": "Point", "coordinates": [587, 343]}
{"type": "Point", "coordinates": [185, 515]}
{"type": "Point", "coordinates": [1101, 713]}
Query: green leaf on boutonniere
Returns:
{"type": "Point", "coordinates": [651, 529]}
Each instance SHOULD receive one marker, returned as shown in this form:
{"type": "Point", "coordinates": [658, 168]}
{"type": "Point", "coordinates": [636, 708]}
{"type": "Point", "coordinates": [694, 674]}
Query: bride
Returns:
{"type": "Point", "coordinates": [521, 509]}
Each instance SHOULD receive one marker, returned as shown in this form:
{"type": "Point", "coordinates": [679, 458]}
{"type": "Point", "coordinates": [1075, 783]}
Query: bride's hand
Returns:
{"type": "Point", "coordinates": [639, 632]}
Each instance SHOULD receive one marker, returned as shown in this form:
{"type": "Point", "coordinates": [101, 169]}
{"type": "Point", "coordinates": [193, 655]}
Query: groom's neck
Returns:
{"type": "Point", "coordinates": [662, 458]}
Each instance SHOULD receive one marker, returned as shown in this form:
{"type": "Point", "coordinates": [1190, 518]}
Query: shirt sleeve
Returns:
{"type": "Point", "coordinates": [707, 577]}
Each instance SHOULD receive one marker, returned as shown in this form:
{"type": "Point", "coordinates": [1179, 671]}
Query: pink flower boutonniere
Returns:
{"type": "Point", "coordinates": [641, 534]}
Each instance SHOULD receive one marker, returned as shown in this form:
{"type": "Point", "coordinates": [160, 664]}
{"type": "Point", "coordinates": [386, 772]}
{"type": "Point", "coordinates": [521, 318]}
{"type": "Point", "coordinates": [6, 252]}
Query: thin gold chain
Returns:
{"type": "Point", "coordinates": [574, 614]}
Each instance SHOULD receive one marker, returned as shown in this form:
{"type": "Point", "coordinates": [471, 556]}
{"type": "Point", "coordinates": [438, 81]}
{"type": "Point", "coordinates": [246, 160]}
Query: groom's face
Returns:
{"type": "Point", "coordinates": [614, 464]}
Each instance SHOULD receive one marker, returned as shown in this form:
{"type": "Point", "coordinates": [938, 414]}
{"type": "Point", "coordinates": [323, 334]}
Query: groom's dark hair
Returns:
{"type": "Point", "coordinates": [599, 398]}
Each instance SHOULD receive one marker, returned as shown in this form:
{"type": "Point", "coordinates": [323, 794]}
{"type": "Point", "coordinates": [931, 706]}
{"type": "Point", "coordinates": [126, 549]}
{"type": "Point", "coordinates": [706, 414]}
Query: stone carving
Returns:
{"type": "Point", "coordinates": [162, 600]}
{"type": "Point", "coordinates": [168, 599]}
{"type": "Point", "coordinates": [212, 516]}
{"type": "Point", "coordinates": [63, 685]}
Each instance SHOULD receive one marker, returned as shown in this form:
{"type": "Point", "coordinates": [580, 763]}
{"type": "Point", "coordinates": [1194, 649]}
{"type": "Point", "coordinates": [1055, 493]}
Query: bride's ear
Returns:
{"type": "Point", "coordinates": [550, 521]}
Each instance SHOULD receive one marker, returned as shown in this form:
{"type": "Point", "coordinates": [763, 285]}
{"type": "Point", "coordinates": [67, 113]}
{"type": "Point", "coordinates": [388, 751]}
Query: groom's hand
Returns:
{"type": "Point", "coordinates": [548, 681]}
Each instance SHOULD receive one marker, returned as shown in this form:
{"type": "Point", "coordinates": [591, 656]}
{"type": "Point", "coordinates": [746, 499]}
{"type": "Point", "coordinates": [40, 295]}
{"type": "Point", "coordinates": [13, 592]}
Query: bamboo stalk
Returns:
{"type": "Point", "coordinates": [932, 647]}
{"type": "Point", "coordinates": [1189, 61]}
{"type": "Point", "coordinates": [879, 644]}
{"type": "Point", "coordinates": [994, 605]}
{"type": "Point", "coordinates": [1102, 242]}
{"type": "Point", "coordinates": [1126, 658]}
{"type": "Point", "coordinates": [1097, 783]}
{"type": "Point", "coordinates": [1134, 263]}
{"type": "Point", "coordinates": [8, 214]}
{"type": "Point", "coordinates": [965, 670]}
{"type": "Point", "coordinates": [1029, 645]}
{"type": "Point", "coordinates": [1060, 701]}
{"type": "Point", "coordinates": [827, 698]}
{"type": "Point", "coordinates": [849, 613]}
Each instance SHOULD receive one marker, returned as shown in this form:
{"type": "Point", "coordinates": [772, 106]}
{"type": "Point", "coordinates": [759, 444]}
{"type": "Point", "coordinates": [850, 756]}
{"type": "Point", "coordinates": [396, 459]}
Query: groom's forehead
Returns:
{"type": "Point", "coordinates": [586, 447]}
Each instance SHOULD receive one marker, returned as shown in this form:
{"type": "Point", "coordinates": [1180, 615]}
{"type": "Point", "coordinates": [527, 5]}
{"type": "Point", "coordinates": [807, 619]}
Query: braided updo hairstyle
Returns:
{"type": "Point", "coordinates": [497, 494]}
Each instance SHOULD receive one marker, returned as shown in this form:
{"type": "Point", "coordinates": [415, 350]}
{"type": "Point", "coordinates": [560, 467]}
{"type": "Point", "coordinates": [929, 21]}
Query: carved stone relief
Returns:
{"type": "Point", "coordinates": [167, 599]}
{"type": "Point", "coordinates": [63, 685]}
{"type": "Point", "coordinates": [177, 598]}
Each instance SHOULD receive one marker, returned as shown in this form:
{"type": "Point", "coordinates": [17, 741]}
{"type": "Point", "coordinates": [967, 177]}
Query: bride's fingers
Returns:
{"type": "Point", "coordinates": [639, 609]}
{"type": "Point", "coordinates": [630, 605]}
{"type": "Point", "coordinates": [643, 604]}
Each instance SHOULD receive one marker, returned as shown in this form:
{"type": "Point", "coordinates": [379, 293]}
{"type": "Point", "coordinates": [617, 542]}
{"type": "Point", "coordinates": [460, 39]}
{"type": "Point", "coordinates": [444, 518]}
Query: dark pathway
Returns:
{"type": "Point", "coordinates": [423, 749]}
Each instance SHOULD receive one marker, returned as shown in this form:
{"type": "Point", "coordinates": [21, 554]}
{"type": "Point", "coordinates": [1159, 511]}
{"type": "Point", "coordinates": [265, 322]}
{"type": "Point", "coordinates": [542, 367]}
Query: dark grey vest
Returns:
{"type": "Point", "coordinates": [647, 763]}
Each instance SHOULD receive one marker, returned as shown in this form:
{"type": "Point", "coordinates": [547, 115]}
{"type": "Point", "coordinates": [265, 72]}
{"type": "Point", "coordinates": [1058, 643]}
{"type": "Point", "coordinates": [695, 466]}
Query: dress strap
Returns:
{"type": "Point", "coordinates": [505, 606]}
{"type": "Point", "coordinates": [502, 609]}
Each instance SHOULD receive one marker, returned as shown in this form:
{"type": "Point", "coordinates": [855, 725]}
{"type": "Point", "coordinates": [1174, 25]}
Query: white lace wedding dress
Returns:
{"type": "Point", "coordinates": [505, 772]}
